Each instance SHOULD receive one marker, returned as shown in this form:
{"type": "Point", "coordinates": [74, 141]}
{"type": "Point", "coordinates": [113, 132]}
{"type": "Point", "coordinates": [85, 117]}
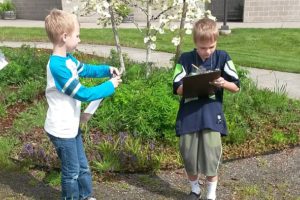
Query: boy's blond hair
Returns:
{"type": "Point", "coordinates": [59, 22]}
{"type": "Point", "coordinates": [205, 30]}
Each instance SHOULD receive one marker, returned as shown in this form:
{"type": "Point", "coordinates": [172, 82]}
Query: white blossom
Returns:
{"type": "Point", "coordinates": [188, 31]}
{"type": "Point", "coordinates": [146, 40]}
{"type": "Point", "coordinates": [76, 8]}
{"type": "Point", "coordinates": [153, 46]}
{"type": "Point", "coordinates": [153, 38]}
{"type": "Point", "coordinates": [153, 27]}
{"type": "Point", "coordinates": [176, 41]}
{"type": "Point", "coordinates": [173, 27]}
{"type": "Point", "coordinates": [188, 26]}
{"type": "Point", "coordinates": [163, 20]}
{"type": "Point", "coordinates": [167, 20]}
{"type": "Point", "coordinates": [161, 31]}
{"type": "Point", "coordinates": [105, 4]}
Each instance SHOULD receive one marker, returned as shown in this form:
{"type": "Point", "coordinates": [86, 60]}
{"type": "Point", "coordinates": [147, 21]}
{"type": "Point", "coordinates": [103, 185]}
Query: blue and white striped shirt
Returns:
{"type": "Point", "coordinates": [64, 93]}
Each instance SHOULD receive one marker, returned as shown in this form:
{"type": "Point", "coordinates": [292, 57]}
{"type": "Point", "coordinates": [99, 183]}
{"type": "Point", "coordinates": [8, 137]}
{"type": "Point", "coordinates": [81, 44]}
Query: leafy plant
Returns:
{"type": "Point", "coordinates": [6, 146]}
{"type": "Point", "coordinates": [123, 10]}
{"type": "Point", "coordinates": [25, 64]}
{"type": "Point", "coordinates": [109, 157]}
{"type": "Point", "coordinates": [278, 137]}
{"type": "Point", "coordinates": [30, 90]}
{"type": "Point", "coordinates": [127, 154]}
{"type": "Point", "coordinates": [7, 5]}
{"type": "Point", "coordinates": [31, 118]}
{"type": "Point", "coordinates": [53, 178]}
{"type": "Point", "coordinates": [2, 110]}
{"type": "Point", "coordinates": [144, 107]}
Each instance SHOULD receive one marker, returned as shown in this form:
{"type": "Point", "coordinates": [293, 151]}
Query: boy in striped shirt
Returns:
{"type": "Point", "coordinates": [64, 94]}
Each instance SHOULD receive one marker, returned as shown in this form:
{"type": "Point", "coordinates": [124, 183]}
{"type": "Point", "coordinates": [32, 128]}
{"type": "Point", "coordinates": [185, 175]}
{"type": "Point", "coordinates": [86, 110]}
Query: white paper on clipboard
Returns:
{"type": "Point", "coordinates": [3, 62]}
{"type": "Point", "coordinates": [92, 107]}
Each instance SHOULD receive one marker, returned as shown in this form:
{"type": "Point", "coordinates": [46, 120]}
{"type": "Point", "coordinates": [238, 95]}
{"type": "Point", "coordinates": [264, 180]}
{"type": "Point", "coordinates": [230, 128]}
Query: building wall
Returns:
{"type": "Point", "coordinates": [234, 9]}
{"type": "Point", "coordinates": [272, 10]}
{"type": "Point", "coordinates": [35, 9]}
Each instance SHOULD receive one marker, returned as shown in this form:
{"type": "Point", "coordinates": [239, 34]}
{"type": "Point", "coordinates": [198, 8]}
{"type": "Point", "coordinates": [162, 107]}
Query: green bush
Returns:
{"type": "Point", "coordinates": [25, 64]}
{"type": "Point", "coordinates": [123, 10]}
{"type": "Point", "coordinates": [144, 107]}
{"type": "Point", "coordinates": [7, 5]}
{"type": "Point", "coordinates": [30, 90]}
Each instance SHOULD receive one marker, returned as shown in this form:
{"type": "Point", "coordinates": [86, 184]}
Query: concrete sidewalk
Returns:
{"type": "Point", "coordinates": [272, 80]}
{"type": "Point", "coordinates": [160, 59]}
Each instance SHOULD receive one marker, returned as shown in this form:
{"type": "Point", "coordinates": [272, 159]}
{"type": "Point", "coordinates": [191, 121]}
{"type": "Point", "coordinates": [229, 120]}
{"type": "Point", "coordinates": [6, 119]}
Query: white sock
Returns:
{"type": "Point", "coordinates": [195, 186]}
{"type": "Point", "coordinates": [211, 190]}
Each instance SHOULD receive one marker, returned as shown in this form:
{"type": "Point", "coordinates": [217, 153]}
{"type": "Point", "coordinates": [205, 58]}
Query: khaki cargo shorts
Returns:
{"type": "Point", "coordinates": [201, 152]}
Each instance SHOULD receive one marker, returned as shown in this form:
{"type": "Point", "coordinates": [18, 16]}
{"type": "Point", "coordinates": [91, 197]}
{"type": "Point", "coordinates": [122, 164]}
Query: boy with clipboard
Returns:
{"type": "Point", "coordinates": [200, 120]}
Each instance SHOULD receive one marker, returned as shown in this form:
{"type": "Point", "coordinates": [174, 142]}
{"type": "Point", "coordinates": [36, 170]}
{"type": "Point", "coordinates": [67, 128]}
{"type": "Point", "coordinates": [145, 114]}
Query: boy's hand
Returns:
{"type": "Point", "coordinates": [114, 71]}
{"type": "Point", "coordinates": [219, 83]}
{"type": "Point", "coordinates": [116, 80]}
{"type": "Point", "coordinates": [85, 117]}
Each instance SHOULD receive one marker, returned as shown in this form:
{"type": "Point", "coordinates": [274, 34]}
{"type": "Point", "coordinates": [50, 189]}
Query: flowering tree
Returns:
{"type": "Point", "coordinates": [110, 12]}
{"type": "Point", "coordinates": [189, 13]}
{"type": "Point", "coordinates": [167, 15]}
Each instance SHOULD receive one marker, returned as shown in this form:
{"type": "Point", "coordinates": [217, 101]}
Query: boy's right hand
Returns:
{"type": "Point", "coordinates": [116, 80]}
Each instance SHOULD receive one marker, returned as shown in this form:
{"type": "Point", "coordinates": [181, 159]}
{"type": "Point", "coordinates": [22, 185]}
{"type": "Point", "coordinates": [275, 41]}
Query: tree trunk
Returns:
{"type": "Point", "coordinates": [148, 54]}
{"type": "Point", "coordinates": [181, 31]}
{"type": "Point", "coordinates": [116, 37]}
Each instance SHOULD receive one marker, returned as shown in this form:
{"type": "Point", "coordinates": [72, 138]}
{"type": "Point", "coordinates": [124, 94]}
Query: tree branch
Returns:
{"type": "Point", "coordinates": [137, 26]}
{"type": "Point", "coordinates": [164, 11]}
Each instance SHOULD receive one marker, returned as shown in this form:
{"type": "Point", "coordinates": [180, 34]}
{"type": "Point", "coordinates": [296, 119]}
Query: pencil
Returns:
{"type": "Point", "coordinates": [195, 67]}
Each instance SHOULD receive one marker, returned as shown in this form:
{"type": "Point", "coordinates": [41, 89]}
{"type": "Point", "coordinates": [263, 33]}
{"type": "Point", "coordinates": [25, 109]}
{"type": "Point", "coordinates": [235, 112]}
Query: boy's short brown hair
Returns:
{"type": "Point", "coordinates": [205, 30]}
{"type": "Point", "coordinates": [59, 22]}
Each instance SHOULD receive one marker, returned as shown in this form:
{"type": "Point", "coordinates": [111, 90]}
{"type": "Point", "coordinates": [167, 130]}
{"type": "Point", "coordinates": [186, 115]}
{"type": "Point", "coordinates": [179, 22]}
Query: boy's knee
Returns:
{"type": "Point", "coordinates": [75, 177]}
{"type": "Point", "coordinates": [85, 169]}
{"type": "Point", "coordinates": [71, 172]}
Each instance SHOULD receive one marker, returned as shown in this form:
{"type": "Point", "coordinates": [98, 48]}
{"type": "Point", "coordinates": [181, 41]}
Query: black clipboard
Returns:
{"type": "Point", "coordinates": [199, 85]}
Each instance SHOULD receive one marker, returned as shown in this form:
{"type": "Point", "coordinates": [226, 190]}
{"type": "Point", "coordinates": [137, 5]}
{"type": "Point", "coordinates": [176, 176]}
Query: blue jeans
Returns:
{"type": "Point", "coordinates": [76, 179]}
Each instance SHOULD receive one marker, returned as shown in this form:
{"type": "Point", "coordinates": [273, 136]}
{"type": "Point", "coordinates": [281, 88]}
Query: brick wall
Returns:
{"type": "Point", "coordinates": [271, 10]}
{"type": "Point", "coordinates": [35, 9]}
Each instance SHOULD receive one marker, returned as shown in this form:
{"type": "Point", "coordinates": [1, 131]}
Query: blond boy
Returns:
{"type": "Point", "coordinates": [200, 121]}
{"type": "Point", "coordinates": [64, 94]}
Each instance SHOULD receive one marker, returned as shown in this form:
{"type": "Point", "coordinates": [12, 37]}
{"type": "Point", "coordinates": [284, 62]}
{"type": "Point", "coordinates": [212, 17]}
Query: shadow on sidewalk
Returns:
{"type": "Point", "coordinates": [25, 185]}
{"type": "Point", "coordinates": [154, 184]}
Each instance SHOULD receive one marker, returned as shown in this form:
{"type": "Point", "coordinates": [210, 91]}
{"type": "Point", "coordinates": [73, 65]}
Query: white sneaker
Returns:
{"type": "Point", "coordinates": [211, 198]}
{"type": "Point", "coordinates": [90, 198]}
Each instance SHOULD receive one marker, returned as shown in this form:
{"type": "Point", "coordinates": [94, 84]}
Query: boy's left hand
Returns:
{"type": "Point", "coordinates": [114, 71]}
{"type": "Point", "coordinates": [219, 83]}
{"type": "Point", "coordinates": [85, 117]}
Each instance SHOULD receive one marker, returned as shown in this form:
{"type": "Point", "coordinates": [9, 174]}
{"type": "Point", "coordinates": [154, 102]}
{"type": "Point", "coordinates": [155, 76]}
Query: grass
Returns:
{"type": "Point", "coordinates": [262, 191]}
{"type": "Point", "coordinates": [274, 49]}
{"type": "Point", "coordinates": [6, 146]}
{"type": "Point", "coordinates": [53, 178]}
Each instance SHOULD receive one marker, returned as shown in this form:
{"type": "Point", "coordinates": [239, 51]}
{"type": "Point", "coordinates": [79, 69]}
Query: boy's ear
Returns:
{"type": "Point", "coordinates": [64, 37]}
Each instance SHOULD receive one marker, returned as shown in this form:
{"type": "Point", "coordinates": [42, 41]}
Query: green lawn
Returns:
{"type": "Point", "coordinates": [276, 49]}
